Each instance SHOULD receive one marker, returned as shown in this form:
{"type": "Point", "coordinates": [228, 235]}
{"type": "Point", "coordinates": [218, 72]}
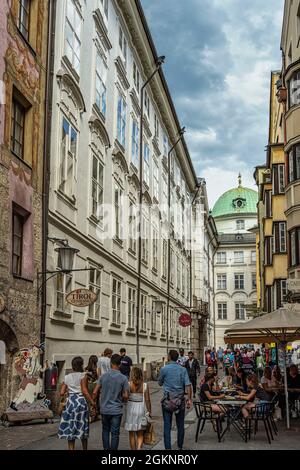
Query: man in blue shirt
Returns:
{"type": "Point", "coordinates": [176, 383]}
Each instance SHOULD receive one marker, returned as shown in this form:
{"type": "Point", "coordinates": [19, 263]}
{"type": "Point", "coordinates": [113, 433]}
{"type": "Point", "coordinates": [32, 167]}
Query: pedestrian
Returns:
{"type": "Point", "coordinates": [182, 358]}
{"type": "Point", "coordinates": [220, 357]}
{"type": "Point", "coordinates": [259, 363]}
{"type": "Point", "coordinates": [126, 363]}
{"type": "Point", "coordinates": [114, 391]}
{"type": "Point", "coordinates": [228, 361]}
{"type": "Point", "coordinates": [193, 369]}
{"type": "Point", "coordinates": [214, 359]}
{"type": "Point", "coordinates": [92, 378]}
{"type": "Point", "coordinates": [176, 383]}
{"type": "Point", "coordinates": [208, 359]}
{"type": "Point", "coordinates": [103, 364]}
{"type": "Point", "coordinates": [74, 423]}
{"type": "Point", "coordinates": [137, 408]}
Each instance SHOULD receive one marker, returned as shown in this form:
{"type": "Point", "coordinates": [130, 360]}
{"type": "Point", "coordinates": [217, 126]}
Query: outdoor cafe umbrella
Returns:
{"type": "Point", "coordinates": [281, 326]}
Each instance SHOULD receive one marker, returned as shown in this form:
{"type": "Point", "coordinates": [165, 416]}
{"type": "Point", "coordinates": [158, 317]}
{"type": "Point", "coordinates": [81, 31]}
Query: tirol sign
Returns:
{"type": "Point", "coordinates": [185, 320]}
{"type": "Point", "coordinates": [81, 298]}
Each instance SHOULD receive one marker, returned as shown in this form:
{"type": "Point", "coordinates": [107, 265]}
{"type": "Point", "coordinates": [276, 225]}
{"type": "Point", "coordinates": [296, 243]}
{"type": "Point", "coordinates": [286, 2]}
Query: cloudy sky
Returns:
{"type": "Point", "coordinates": [219, 54]}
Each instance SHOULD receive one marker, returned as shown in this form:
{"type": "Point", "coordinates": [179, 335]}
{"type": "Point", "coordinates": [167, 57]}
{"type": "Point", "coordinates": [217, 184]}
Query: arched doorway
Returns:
{"type": "Point", "coordinates": [9, 347]}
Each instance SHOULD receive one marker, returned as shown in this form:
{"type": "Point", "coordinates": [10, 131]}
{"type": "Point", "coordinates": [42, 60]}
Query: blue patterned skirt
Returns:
{"type": "Point", "coordinates": [74, 423]}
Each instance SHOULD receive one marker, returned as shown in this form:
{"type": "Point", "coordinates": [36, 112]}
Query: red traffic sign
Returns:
{"type": "Point", "coordinates": [185, 319]}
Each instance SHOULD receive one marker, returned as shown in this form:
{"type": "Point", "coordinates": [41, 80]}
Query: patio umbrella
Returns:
{"type": "Point", "coordinates": [281, 326]}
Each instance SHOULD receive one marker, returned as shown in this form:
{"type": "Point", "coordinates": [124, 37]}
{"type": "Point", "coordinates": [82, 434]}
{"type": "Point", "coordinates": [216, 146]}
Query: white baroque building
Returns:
{"type": "Point", "coordinates": [103, 54]}
{"type": "Point", "coordinates": [235, 214]}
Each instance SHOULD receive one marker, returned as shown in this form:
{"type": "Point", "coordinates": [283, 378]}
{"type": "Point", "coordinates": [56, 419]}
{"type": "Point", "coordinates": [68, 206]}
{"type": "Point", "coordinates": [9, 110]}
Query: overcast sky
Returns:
{"type": "Point", "coordinates": [219, 55]}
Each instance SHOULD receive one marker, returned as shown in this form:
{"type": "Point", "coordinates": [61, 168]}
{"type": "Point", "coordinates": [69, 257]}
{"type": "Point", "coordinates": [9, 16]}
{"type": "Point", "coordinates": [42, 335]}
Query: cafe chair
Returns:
{"type": "Point", "coordinates": [260, 413]}
{"type": "Point", "coordinates": [205, 413]}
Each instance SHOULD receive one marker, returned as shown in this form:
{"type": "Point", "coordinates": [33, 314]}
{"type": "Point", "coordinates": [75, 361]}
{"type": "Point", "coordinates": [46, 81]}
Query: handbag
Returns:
{"type": "Point", "coordinates": [149, 435]}
{"type": "Point", "coordinates": [146, 418]}
{"type": "Point", "coordinates": [173, 404]}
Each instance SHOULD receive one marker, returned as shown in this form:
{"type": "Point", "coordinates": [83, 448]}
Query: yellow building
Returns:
{"type": "Point", "coordinates": [271, 232]}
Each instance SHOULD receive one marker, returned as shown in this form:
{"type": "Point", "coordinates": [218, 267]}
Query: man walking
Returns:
{"type": "Point", "coordinates": [126, 363]}
{"type": "Point", "coordinates": [193, 369]}
{"type": "Point", "coordinates": [114, 391]}
{"type": "Point", "coordinates": [182, 357]}
{"type": "Point", "coordinates": [175, 381]}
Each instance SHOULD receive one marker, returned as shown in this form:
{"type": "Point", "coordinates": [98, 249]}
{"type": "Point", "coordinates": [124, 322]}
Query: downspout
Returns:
{"type": "Point", "coordinates": [46, 166]}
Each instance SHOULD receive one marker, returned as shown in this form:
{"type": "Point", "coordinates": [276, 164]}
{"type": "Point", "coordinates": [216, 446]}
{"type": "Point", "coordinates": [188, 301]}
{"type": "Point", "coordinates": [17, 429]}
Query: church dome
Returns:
{"type": "Point", "coordinates": [235, 202]}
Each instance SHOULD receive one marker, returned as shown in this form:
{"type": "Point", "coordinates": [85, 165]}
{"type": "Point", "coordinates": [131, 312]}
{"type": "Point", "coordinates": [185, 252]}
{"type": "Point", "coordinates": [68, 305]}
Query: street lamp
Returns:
{"type": "Point", "coordinates": [158, 63]}
{"type": "Point", "coordinates": [66, 256]}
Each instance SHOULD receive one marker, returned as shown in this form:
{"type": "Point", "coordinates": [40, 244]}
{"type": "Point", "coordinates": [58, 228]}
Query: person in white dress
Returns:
{"type": "Point", "coordinates": [103, 364]}
{"type": "Point", "coordinates": [138, 405]}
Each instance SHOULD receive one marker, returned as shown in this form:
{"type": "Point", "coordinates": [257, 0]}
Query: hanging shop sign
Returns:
{"type": "Point", "coordinates": [293, 285]}
{"type": "Point", "coordinates": [185, 320]}
{"type": "Point", "coordinates": [2, 303]}
{"type": "Point", "coordinates": [81, 298]}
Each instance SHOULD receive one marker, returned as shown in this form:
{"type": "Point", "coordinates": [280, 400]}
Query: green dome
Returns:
{"type": "Point", "coordinates": [237, 201]}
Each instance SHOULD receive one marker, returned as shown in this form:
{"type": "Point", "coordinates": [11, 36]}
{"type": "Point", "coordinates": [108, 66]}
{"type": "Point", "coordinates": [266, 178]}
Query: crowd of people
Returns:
{"type": "Point", "coordinates": [112, 387]}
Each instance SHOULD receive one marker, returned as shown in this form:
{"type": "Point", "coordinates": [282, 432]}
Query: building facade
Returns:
{"type": "Point", "coordinates": [23, 63]}
{"type": "Point", "coordinates": [270, 178]}
{"type": "Point", "coordinates": [235, 260]}
{"type": "Point", "coordinates": [103, 55]}
{"type": "Point", "coordinates": [289, 96]}
{"type": "Point", "coordinates": [205, 243]}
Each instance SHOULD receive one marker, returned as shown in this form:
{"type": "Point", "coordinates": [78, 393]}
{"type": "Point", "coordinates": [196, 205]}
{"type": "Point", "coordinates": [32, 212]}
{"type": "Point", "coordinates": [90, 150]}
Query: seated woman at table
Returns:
{"type": "Point", "coordinates": [256, 391]}
{"type": "Point", "coordinates": [276, 377]}
{"type": "Point", "coordinates": [207, 394]}
{"type": "Point", "coordinates": [231, 378]}
{"type": "Point", "coordinates": [266, 380]}
{"type": "Point", "coordinates": [241, 383]}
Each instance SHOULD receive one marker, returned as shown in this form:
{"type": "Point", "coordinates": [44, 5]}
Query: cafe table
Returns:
{"type": "Point", "coordinates": [232, 409]}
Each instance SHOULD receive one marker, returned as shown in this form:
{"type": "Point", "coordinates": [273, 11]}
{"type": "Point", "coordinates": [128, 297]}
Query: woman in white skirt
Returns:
{"type": "Point", "coordinates": [138, 405]}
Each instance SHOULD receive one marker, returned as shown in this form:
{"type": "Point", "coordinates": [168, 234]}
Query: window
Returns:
{"type": "Point", "coordinates": [73, 33]}
{"type": "Point", "coordinates": [97, 187]}
{"type": "Point", "coordinates": [153, 319]}
{"type": "Point", "coordinates": [101, 77]}
{"type": "Point", "coordinates": [17, 127]}
{"type": "Point", "coordinates": [253, 280]}
{"type": "Point", "coordinates": [178, 273]}
{"type": "Point", "coordinates": [294, 89]}
{"type": "Point", "coordinates": [295, 247]}
{"type": "Point", "coordinates": [221, 281]}
{"type": "Point", "coordinates": [63, 287]}
{"type": "Point", "coordinates": [268, 250]}
{"type": "Point", "coordinates": [239, 282]}
{"type": "Point", "coordinates": [17, 241]}
{"type": "Point", "coordinates": [24, 17]}
{"type": "Point", "coordinates": [279, 237]}
{"type": "Point", "coordinates": [240, 225]}
{"type": "Point", "coordinates": [164, 259]}
{"type": "Point", "coordinates": [145, 239]}
{"type": "Point", "coordinates": [294, 163]}
{"type": "Point", "coordinates": [132, 227]}
{"type": "Point", "coordinates": [163, 320]}
{"type": "Point", "coordinates": [280, 291]}
{"type": "Point", "coordinates": [105, 7]}
{"type": "Point", "coordinates": [131, 308]}
{"type": "Point", "coordinates": [183, 279]}
{"type": "Point", "coordinates": [165, 145]}
{"type": "Point", "coordinates": [95, 286]}
{"type": "Point", "coordinates": [155, 180]}
{"type": "Point", "coordinates": [116, 302]}
{"type": "Point", "coordinates": [118, 212]}
{"type": "Point", "coordinates": [143, 319]}
{"type": "Point", "coordinates": [268, 203]}
{"type": "Point", "coordinates": [68, 158]}
{"type": "Point", "coordinates": [171, 324]}
{"type": "Point", "coordinates": [240, 311]}
{"type": "Point", "coordinates": [221, 257]}
{"type": "Point", "coordinates": [121, 121]}
{"type": "Point", "coordinates": [172, 268]}
{"type": "Point", "coordinates": [239, 257]}
{"type": "Point", "coordinates": [135, 143]}
{"type": "Point", "coordinates": [147, 104]}
{"type": "Point", "coordinates": [123, 46]}
{"type": "Point", "coordinates": [136, 78]}
{"type": "Point", "coordinates": [156, 127]}
{"type": "Point", "coordinates": [222, 311]}
{"type": "Point", "coordinates": [147, 164]}
{"type": "Point", "coordinates": [155, 249]}
{"type": "Point", "coordinates": [164, 205]}
{"type": "Point", "coordinates": [278, 179]}
{"type": "Point", "coordinates": [253, 257]}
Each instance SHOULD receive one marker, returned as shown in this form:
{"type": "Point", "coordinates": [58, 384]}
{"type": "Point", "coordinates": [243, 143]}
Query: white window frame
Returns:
{"type": "Point", "coordinates": [118, 212]}
{"type": "Point", "coordinates": [145, 238]}
{"type": "Point", "coordinates": [68, 160]}
{"type": "Point", "coordinates": [147, 103]}
{"type": "Point", "coordinates": [143, 319]}
{"type": "Point", "coordinates": [253, 256]}
{"type": "Point", "coordinates": [132, 226]}
{"type": "Point", "coordinates": [135, 145]}
{"type": "Point", "coordinates": [97, 187]}
{"type": "Point", "coordinates": [146, 156]}
{"type": "Point", "coordinates": [239, 280]}
{"type": "Point", "coordinates": [240, 313]}
{"type": "Point", "coordinates": [116, 301]}
{"type": "Point", "coordinates": [282, 237]}
{"type": "Point", "coordinates": [253, 281]}
{"type": "Point", "coordinates": [164, 258]}
{"type": "Point", "coordinates": [100, 83]}
{"type": "Point", "coordinates": [240, 224]}
{"type": "Point", "coordinates": [155, 180]}
{"type": "Point", "coordinates": [123, 46]}
{"type": "Point", "coordinates": [163, 321]}
{"type": "Point", "coordinates": [222, 312]}
{"type": "Point", "coordinates": [66, 281]}
{"type": "Point", "coordinates": [221, 281]}
{"type": "Point", "coordinates": [155, 237]}
{"type": "Point", "coordinates": [131, 308]}
{"type": "Point", "coordinates": [121, 120]}
{"type": "Point", "coordinates": [153, 320]}
{"type": "Point", "coordinates": [221, 257]}
{"type": "Point", "coordinates": [94, 285]}
{"type": "Point", "coordinates": [75, 26]}
{"type": "Point", "coordinates": [239, 257]}
{"type": "Point", "coordinates": [136, 78]}
{"type": "Point", "coordinates": [156, 127]}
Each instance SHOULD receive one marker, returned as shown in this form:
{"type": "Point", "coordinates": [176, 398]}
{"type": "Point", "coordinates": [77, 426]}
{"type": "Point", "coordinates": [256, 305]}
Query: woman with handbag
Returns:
{"type": "Point", "coordinates": [74, 423]}
{"type": "Point", "coordinates": [92, 378]}
{"type": "Point", "coordinates": [138, 409]}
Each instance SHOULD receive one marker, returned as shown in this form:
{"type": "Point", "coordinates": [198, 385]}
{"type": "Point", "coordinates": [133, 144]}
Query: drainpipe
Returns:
{"type": "Point", "coordinates": [46, 166]}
